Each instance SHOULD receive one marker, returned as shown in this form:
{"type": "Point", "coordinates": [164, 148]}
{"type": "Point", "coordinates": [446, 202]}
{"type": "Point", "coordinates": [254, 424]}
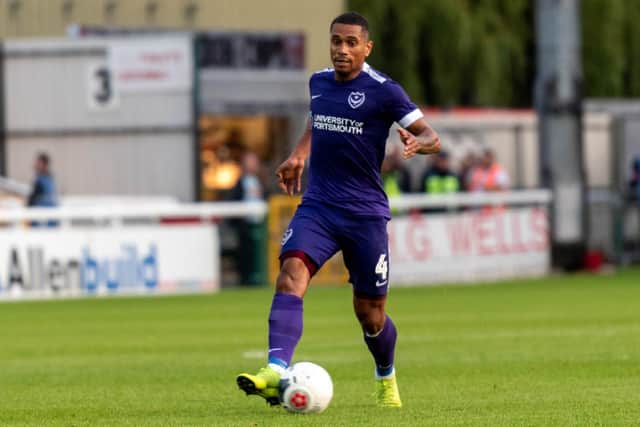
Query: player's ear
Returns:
{"type": "Point", "coordinates": [369, 48]}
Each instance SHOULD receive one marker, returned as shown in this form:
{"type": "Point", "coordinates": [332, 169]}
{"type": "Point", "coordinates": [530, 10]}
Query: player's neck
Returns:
{"type": "Point", "coordinates": [343, 78]}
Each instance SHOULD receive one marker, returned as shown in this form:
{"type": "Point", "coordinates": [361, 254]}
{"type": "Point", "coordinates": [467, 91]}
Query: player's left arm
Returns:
{"type": "Point", "coordinates": [419, 138]}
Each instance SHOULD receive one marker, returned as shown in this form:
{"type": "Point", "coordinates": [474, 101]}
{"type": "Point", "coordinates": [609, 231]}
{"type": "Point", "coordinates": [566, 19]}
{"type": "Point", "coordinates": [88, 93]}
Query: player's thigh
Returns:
{"type": "Point", "coordinates": [365, 248]}
{"type": "Point", "coordinates": [309, 233]}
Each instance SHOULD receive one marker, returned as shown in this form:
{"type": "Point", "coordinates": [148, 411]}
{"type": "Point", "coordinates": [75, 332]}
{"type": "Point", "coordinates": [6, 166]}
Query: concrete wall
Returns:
{"type": "Point", "coordinates": [110, 164]}
{"type": "Point", "coordinates": [47, 89]}
{"type": "Point", "coordinates": [141, 145]}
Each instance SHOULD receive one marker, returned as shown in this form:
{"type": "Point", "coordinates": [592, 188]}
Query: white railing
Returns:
{"type": "Point", "coordinates": [455, 200]}
{"type": "Point", "coordinates": [14, 187]}
{"type": "Point", "coordinates": [213, 210]}
{"type": "Point", "coordinates": [116, 199]}
{"type": "Point", "coordinates": [117, 213]}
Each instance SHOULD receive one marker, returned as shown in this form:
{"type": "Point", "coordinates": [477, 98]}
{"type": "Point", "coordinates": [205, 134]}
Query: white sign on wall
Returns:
{"type": "Point", "coordinates": [50, 262]}
{"type": "Point", "coordinates": [469, 246]}
{"type": "Point", "coordinates": [158, 64]}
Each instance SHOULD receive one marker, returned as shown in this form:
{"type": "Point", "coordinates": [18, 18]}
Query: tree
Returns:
{"type": "Point", "coordinates": [603, 47]}
{"type": "Point", "coordinates": [632, 49]}
{"type": "Point", "coordinates": [393, 52]}
{"type": "Point", "coordinates": [449, 52]}
{"type": "Point", "coordinates": [482, 52]}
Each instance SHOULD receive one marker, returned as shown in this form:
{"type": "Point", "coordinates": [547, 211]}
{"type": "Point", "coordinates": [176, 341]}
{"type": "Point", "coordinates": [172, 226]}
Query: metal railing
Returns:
{"type": "Point", "coordinates": [454, 200]}
{"type": "Point", "coordinates": [65, 214]}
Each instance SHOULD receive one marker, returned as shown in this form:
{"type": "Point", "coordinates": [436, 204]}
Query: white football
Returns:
{"type": "Point", "coordinates": [306, 388]}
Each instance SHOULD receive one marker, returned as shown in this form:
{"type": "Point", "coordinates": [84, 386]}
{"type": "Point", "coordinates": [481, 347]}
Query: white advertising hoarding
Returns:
{"type": "Point", "coordinates": [151, 64]}
{"type": "Point", "coordinates": [62, 262]}
{"type": "Point", "coordinates": [469, 246]}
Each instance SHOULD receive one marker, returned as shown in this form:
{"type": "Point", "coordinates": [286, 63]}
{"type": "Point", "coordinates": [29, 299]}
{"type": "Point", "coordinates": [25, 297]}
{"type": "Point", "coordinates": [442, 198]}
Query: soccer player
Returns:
{"type": "Point", "coordinates": [344, 206]}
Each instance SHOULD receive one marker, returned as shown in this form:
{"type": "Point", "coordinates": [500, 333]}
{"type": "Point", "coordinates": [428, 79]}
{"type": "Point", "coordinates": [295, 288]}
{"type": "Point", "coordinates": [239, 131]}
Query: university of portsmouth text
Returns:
{"type": "Point", "coordinates": [337, 124]}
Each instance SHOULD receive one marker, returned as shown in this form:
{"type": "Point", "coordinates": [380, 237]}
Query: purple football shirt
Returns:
{"type": "Point", "coordinates": [350, 124]}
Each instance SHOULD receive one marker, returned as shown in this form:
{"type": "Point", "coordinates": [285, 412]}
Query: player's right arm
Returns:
{"type": "Point", "coordinates": [289, 173]}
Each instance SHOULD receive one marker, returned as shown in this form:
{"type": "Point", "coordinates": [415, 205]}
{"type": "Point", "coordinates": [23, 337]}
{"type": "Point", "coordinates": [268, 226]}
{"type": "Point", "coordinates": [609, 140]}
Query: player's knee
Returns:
{"type": "Point", "coordinates": [286, 284]}
{"type": "Point", "coordinates": [293, 278]}
{"type": "Point", "coordinates": [372, 325]}
{"type": "Point", "coordinates": [371, 319]}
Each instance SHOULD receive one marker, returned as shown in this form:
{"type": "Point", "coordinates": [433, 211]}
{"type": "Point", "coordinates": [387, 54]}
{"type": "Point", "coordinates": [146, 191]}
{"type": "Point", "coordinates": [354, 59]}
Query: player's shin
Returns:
{"type": "Point", "coordinates": [285, 329]}
{"type": "Point", "coordinates": [382, 346]}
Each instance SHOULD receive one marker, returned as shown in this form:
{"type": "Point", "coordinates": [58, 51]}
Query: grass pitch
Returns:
{"type": "Point", "coordinates": [563, 351]}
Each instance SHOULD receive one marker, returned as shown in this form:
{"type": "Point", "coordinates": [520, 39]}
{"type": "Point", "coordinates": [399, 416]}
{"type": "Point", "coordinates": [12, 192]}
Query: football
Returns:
{"type": "Point", "coordinates": [306, 388]}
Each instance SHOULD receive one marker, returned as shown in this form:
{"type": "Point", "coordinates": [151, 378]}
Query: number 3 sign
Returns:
{"type": "Point", "coordinates": [100, 92]}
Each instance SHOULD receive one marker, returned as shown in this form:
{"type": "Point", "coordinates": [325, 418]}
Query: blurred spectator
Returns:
{"type": "Point", "coordinates": [43, 193]}
{"type": "Point", "coordinates": [489, 175]}
{"type": "Point", "coordinates": [634, 182]}
{"type": "Point", "coordinates": [248, 188]}
{"type": "Point", "coordinates": [467, 165]}
{"type": "Point", "coordinates": [439, 179]}
{"type": "Point", "coordinates": [395, 178]}
{"type": "Point", "coordinates": [249, 229]}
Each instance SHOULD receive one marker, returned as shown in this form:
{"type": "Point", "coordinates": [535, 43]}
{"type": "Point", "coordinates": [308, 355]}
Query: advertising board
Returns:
{"type": "Point", "coordinates": [60, 262]}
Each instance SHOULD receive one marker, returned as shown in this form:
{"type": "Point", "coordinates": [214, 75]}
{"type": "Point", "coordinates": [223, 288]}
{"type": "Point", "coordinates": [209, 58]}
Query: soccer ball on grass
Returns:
{"type": "Point", "coordinates": [306, 388]}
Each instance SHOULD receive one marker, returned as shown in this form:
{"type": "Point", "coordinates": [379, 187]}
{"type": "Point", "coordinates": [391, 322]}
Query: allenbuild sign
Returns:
{"type": "Point", "coordinates": [72, 262]}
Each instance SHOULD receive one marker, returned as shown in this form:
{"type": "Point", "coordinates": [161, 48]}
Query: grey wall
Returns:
{"type": "Point", "coordinates": [141, 143]}
{"type": "Point", "coordinates": [129, 165]}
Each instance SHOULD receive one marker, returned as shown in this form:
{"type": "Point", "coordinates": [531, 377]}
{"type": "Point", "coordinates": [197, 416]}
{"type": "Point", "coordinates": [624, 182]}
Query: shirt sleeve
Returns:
{"type": "Point", "coordinates": [399, 106]}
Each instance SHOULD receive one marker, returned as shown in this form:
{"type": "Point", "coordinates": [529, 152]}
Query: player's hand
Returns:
{"type": "Point", "coordinates": [424, 144]}
{"type": "Point", "coordinates": [410, 142]}
{"type": "Point", "coordinates": [289, 175]}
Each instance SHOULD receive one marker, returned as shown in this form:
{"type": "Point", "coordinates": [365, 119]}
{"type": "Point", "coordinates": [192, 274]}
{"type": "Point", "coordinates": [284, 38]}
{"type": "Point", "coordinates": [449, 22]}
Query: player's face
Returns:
{"type": "Point", "coordinates": [39, 166]}
{"type": "Point", "coordinates": [350, 46]}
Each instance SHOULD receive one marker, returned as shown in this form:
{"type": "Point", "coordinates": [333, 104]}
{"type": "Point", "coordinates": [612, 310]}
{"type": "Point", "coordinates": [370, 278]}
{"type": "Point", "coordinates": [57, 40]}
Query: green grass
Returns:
{"type": "Point", "coordinates": [564, 351]}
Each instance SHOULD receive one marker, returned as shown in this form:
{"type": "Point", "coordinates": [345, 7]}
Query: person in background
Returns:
{"type": "Point", "coordinates": [439, 178]}
{"type": "Point", "coordinates": [249, 229]}
{"type": "Point", "coordinates": [634, 182]}
{"type": "Point", "coordinates": [43, 193]}
{"type": "Point", "coordinates": [395, 177]}
{"type": "Point", "coordinates": [467, 165]}
{"type": "Point", "coordinates": [248, 188]}
{"type": "Point", "coordinates": [489, 175]}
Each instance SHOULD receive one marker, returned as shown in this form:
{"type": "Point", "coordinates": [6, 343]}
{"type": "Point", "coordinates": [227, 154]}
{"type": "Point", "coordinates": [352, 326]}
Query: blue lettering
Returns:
{"type": "Point", "coordinates": [150, 269]}
{"type": "Point", "coordinates": [129, 267]}
{"type": "Point", "coordinates": [111, 280]}
{"type": "Point", "coordinates": [125, 271]}
{"type": "Point", "coordinates": [90, 273]}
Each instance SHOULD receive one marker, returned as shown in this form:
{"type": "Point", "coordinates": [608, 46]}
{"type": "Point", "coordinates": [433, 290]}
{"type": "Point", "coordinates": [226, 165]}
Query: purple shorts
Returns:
{"type": "Point", "coordinates": [320, 231]}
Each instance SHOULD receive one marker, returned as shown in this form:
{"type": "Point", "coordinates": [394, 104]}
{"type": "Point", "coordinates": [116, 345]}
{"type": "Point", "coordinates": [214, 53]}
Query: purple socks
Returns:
{"type": "Point", "coordinates": [285, 328]}
{"type": "Point", "coordinates": [382, 346]}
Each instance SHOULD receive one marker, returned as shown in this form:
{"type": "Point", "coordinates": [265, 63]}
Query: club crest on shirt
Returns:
{"type": "Point", "coordinates": [287, 235]}
{"type": "Point", "coordinates": [356, 99]}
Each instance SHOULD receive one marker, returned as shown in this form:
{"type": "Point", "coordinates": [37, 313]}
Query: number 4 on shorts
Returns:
{"type": "Point", "coordinates": [382, 266]}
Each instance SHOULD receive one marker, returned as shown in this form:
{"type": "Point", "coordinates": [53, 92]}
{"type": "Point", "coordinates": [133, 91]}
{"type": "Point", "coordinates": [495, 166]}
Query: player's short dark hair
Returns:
{"type": "Point", "coordinates": [351, 18]}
